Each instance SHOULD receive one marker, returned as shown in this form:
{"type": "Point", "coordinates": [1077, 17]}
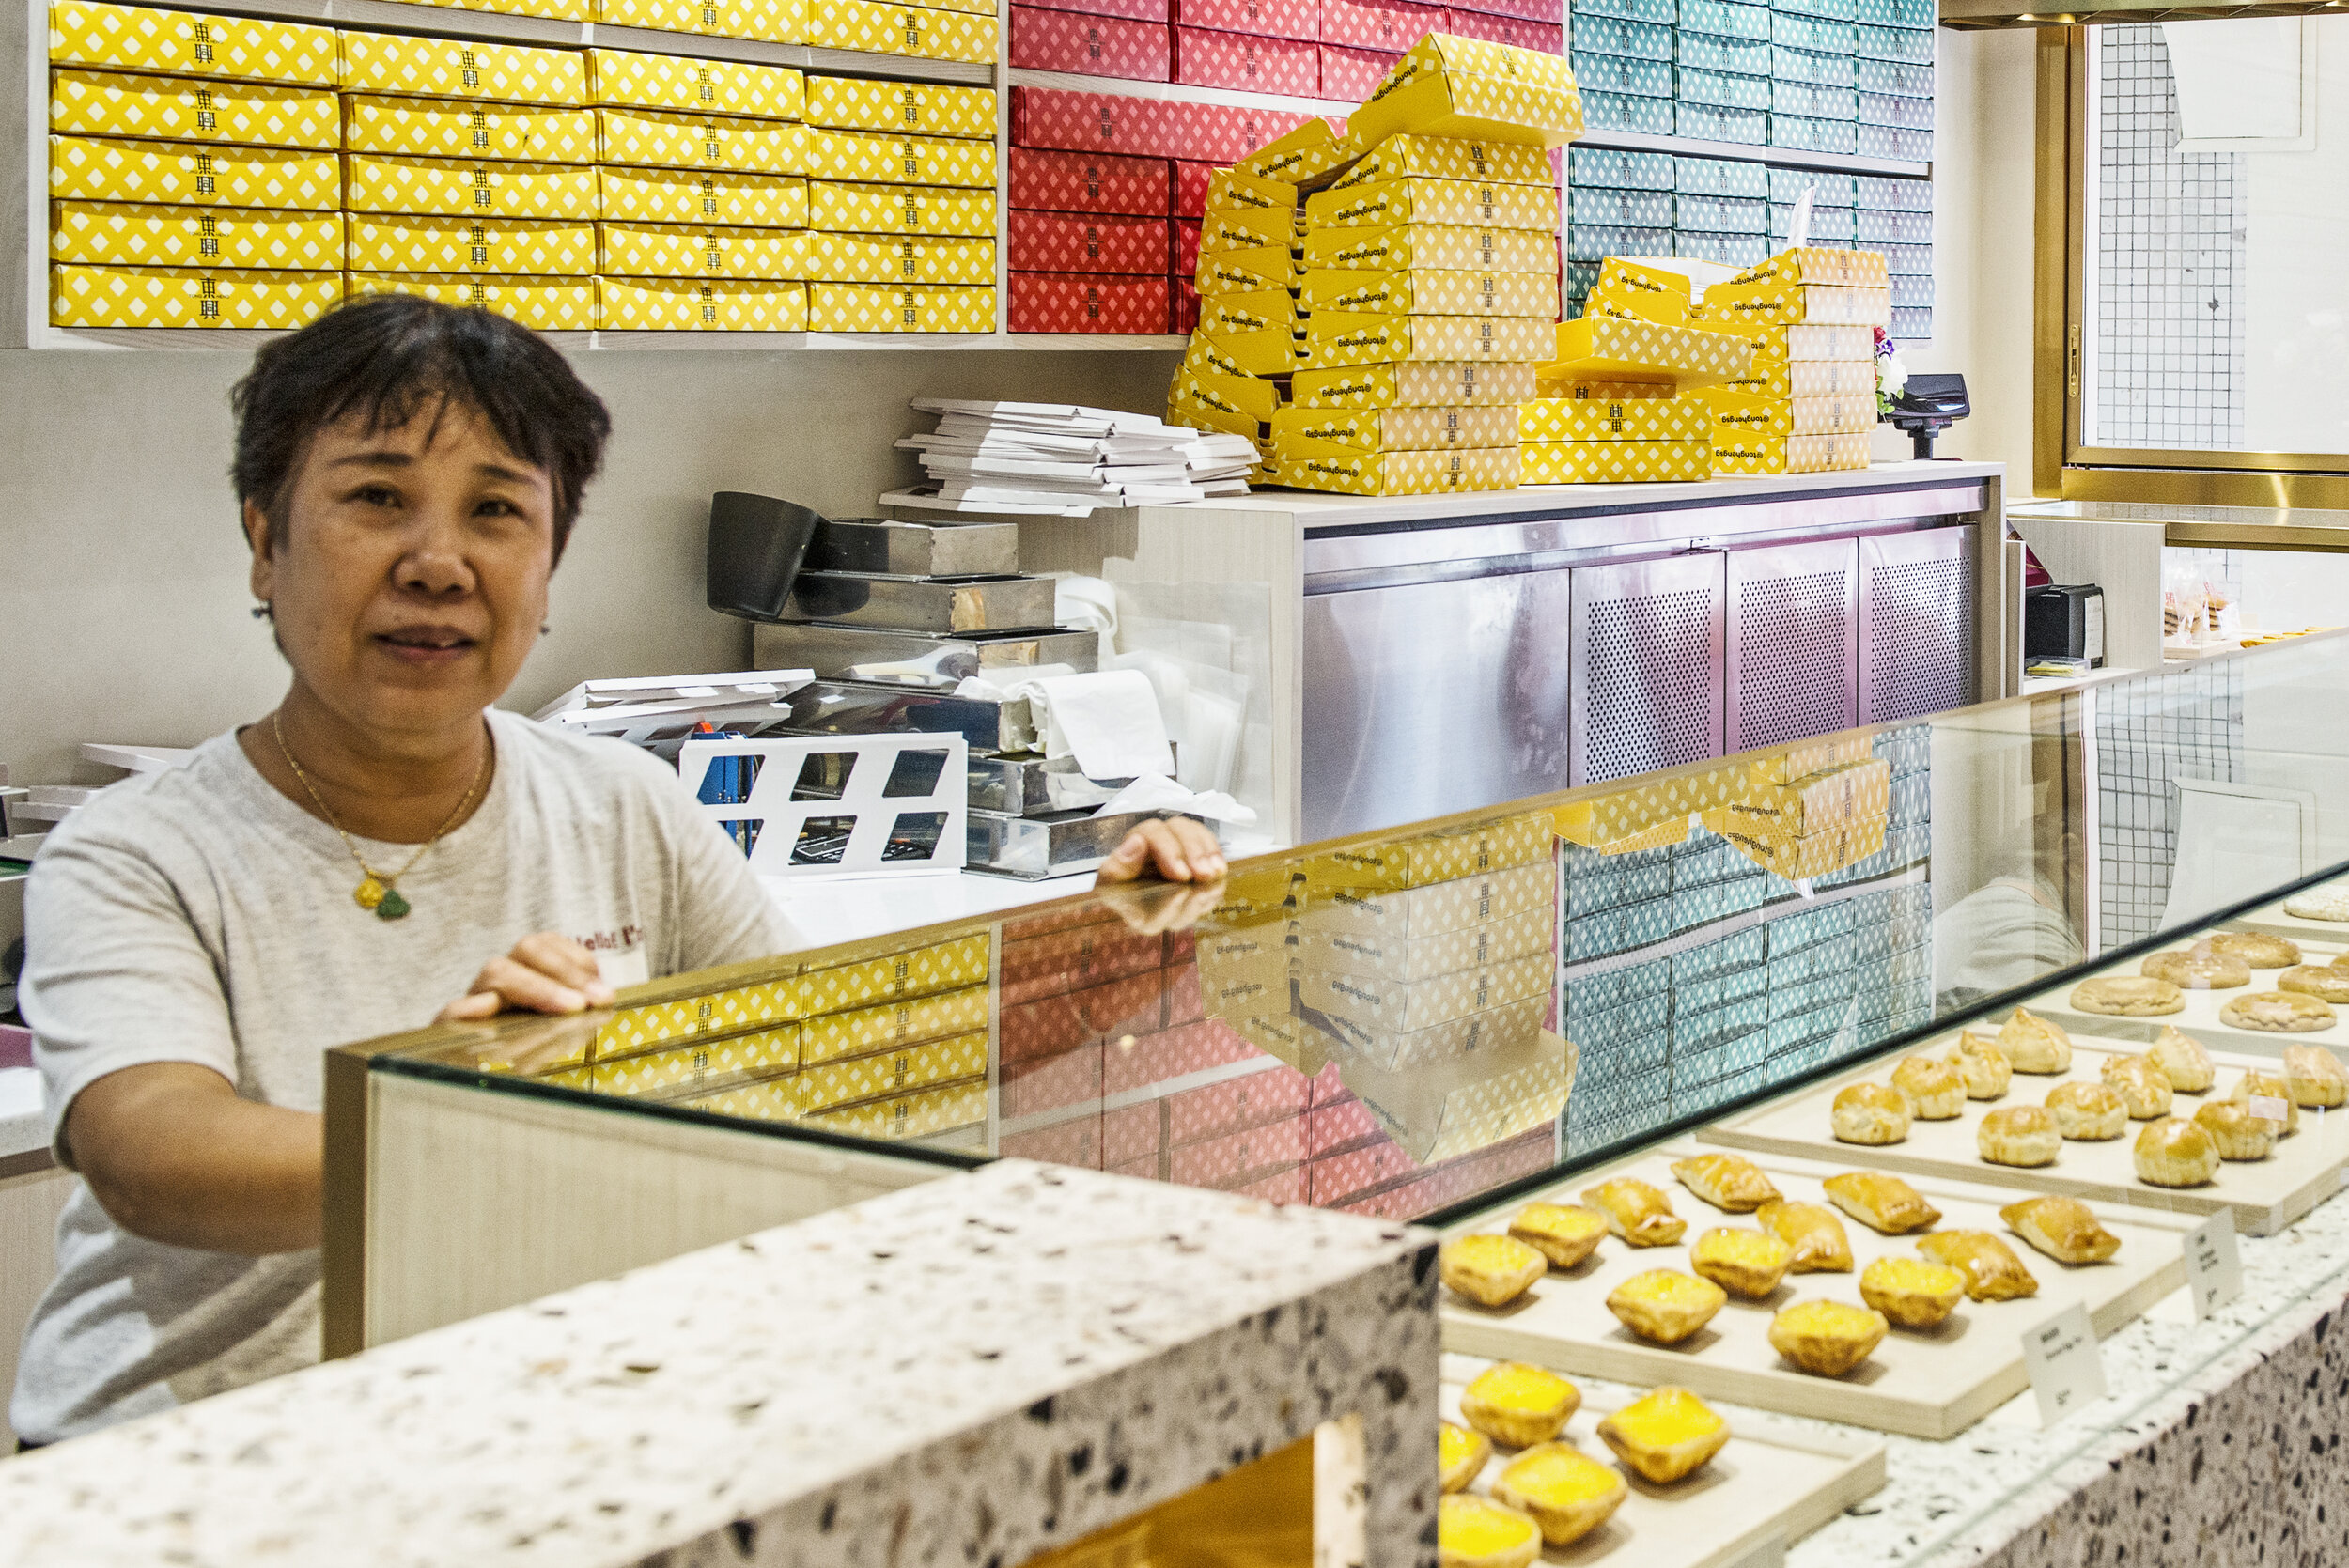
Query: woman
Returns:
{"type": "Point", "coordinates": [383, 847]}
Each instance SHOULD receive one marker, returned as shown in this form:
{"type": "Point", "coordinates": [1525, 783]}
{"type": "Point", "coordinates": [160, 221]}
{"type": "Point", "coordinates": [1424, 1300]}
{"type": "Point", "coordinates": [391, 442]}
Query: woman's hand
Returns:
{"type": "Point", "coordinates": [1182, 848]}
{"type": "Point", "coordinates": [545, 973]}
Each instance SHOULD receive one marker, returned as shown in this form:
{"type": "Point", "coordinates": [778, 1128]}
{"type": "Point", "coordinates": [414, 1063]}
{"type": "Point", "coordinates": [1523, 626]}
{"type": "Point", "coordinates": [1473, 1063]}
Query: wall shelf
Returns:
{"type": "Point", "coordinates": [245, 340]}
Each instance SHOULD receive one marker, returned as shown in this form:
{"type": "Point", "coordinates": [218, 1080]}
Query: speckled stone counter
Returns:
{"type": "Point", "coordinates": [965, 1372]}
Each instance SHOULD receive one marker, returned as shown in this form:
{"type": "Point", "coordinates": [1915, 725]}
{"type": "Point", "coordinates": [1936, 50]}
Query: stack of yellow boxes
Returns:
{"type": "Point", "coordinates": [1809, 809]}
{"type": "Point", "coordinates": [1809, 400]}
{"type": "Point", "coordinates": [901, 208]}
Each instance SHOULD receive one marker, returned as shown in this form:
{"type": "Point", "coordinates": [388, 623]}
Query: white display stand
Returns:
{"type": "Point", "coordinates": [863, 802]}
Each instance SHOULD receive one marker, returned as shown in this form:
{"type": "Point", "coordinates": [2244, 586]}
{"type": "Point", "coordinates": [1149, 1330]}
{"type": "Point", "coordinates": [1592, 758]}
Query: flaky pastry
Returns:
{"type": "Point", "coordinates": [2276, 1012]}
{"type": "Point", "coordinates": [1814, 1231]}
{"type": "Point", "coordinates": [1743, 1262]}
{"type": "Point", "coordinates": [1566, 1233]}
{"type": "Point", "coordinates": [1640, 1214]}
{"type": "Point", "coordinates": [2129, 997]}
{"type": "Point", "coordinates": [1982, 1064]}
{"type": "Point", "coordinates": [1665, 1306]}
{"type": "Point", "coordinates": [1477, 1532]}
{"type": "Point", "coordinates": [1568, 1493]}
{"type": "Point", "coordinates": [1869, 1113]}
{"type": "Point", "coordinates": [2199, 968]}
{"type": "Point", "coordinates": [2235, 1132]}
{"type": "Point", "coordinates": [2265, 1094]}
{"type": "Point", "coordinates": [2088, 1112]}
{"type": "Point", "coordinates": [2142, 1086]}
{"type": "Point", "coordinates": [1881, 1203]}
{"type": "Point", "coordinates": [2257, 949]}
{"type": "Point", "coordinates": [2314, 1077]}
{"type": "Point", "coordinates": [1665, 1435]}
{"type": "Point", "coordinates": [2023, 1135]}
{"type": "Point", "coordinates": [1460, 1454]}
{"type": "Point", "coordinates": [2032, 1045]}
{"type": "Point", "coordinates": [2183, 1060]}
{"type": "Point", "coordinates": [1731, 1182]}
{"type": "Point", "coordinates": [1490, 1270]}
{"type": "Point", "coordinates": [2326, 982]}
{"type": "Point", "coordinates": [1910, 1292]}
{"type": "Point", "coordinates": [1828, 1339]}
{"type": "Point", "coordinates": [1517, 1405]}
{"type": "Point", "coordinates": [1934, 1090]}
{"type": "Point", "coordinates": [2174, 1152]}
{"type": "Point", "coordinates": [1993, 1272]}
{"type": "Point", "coordinates": [2064, 1229]}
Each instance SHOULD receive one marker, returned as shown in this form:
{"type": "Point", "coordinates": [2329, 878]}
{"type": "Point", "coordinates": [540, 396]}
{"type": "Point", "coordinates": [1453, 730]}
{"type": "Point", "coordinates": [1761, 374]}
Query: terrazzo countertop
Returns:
{"type": "Point", "coordinates": [967, 1372]}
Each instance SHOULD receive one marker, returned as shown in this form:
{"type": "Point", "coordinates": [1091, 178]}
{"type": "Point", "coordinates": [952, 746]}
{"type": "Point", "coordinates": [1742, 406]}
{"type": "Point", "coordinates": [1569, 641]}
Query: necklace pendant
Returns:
{"type": "Point", "coordinates": [369, 895]}
{"type": "Point", "coordinates": [392, 905]}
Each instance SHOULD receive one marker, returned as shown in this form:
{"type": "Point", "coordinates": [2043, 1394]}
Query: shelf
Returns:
{"type": "Point", "coordinates": [1177, 92]}
{"type": "Point", "coordinates": [1781, 157]}
{"type": "Point", "coordinates": [245, 340]}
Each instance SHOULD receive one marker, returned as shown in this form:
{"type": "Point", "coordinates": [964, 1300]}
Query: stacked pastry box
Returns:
{"type": "Point", "coordinates": [1811, 809]}
{"type": "Point", "coordinates": [1361, 39]}
{"type": "Point", "coordinates": [940, 30]}
{"type": "Point", "coordinates": [1809, 402]}
{"type": "Point", "coordinates": [1129, 39]}
{"type": "Point", "coordinates": [1619, 404]}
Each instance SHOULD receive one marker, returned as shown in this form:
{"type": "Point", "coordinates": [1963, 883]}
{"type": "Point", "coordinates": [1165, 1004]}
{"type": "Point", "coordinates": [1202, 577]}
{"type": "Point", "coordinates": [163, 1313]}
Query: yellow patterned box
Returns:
{"type": "Point", "coordinates": [698, 251]}
{"type": "Point", "coordinates": [1351, 470]}
{"type": "Point", "coordinates": [899, 210]}
{"type": "Point", "coordinates": [1514, 1025]}
{"type": "Point", "coordinates": [654, 138]}
{"type": "Point", "coordinates": [1810, 854]}
{"type": "Point", "coordinates": [1804, 342]}
{"type": "Point", "coordinates": [773, 1100]}
{"type": "Point", "coordinates": [1453, 202]}
{"type": "Point", "coordinates": [1223, 317]}
{"type": "Point", "coordinates": [629, 80]}
{"type": "Point", "coordinates": [899, 159]}
{"type": "Point", "coordinates": [678, 196]}
{"type": "Point", "coordinates": [1423, 430]}
{"type": "Point", "coordinates": [1245, 271]}
{"type": "Point", "coordinates": [1804, 378]}
{"type": "Point", "coordinates": [1403, 1006]}
{"type": "Point", "coordinates": [452, 68]}
{"type": "Point", "coordinates": [1256, 400]}
{"type": "Point", "coordinates": [178, 108]}
{"type": "Point", "coordinates": [89, 168]}
{"type": "Point", "coordinates": [1606, 348]}
{"type": "Point", "coordinates": [1430, 292]}
{"type": "Point", "coordinates": [1308, 155]}
{"type": "Point", "coordinates": [1451, 158]}
{"type": "Point", "coordinates": [900, 307]}
{"type": "Point", "coordinates": [542, 304]}
{"type": "Point", "coordinates": [1665, 419]}
{"type": "Point", "coordinates": [879, 259]}
{"type": "Point", "coordinates": [512, 247]}
{"type": "Point", "coordinates": [1819, 264]}
{"type": "Point", "coordinates": [1449, 54]}
{"type": "Point", "coordinates": [184, 44]}
{"type": "Point", "coordinates": [919, 971]}
{"type": "Point", "coordinates": [1192, 401]}
{"type": "Point", "coordinates": [1425, 384]}
{"type": "Point", "coordinates": [1615, 462]}
{"type": "Point", "coordinates": [767, 1051]}
{"type": "Point", "coordinates": [1202, 353]}
{"type": "Point", "coordinates": [1486, 108]}
{"type": "Point", "coordinates": [901, 1070]}
{"type": "Point", "coordinates": [1270, 352]}
{"type": "Point", "coordinates": [1773, 303]}
{"type": "Point", "coordinates": [739, 1008]}
{"type": "Point", "coordinates": [1509, 1083]}
{"type": "Point", "coordinates": [1791, 416]}
{"type": "Point", "coordinates": [189, 297]}
{"type": "Point", "coordinates": [1337, 337]}
{"type": "Point", "coordinates": [1444, 246]}
{"type": "Point", "coordinates": [704, 304]}
{"type": "Point", "coordinates": [770, 20]}
{"type": "Point", "coordinates": [560, 11]}
{"type": "Point", "coordinates": [891, 1024]}
{"type": "Point", "coordinates": [121, 234]}
{"type": "Point", "coordinates": [1409, 914]}
{"type": "Point", "coordinates": [461, 189]}
{"type": "Point", "coordinates": [1670, 310]}
{"type": "Point", "coordinates": [1810, 804]}
{"type": "Point", "coordinates": [447, 128]}
{"type": "Point", "coordinates": [1739, 453]}
{"type": "Point", "coordinates": [927, 108]}
{"type": "Point", "coordinates": [1612, 820]}
{"type": "Point", "coordinates": [1803, 758]}
{"type": "Point", "coordinates": [909, 1116]}
{"type": "Point", "coordinates": [1249, 230]}
{"type": "Point", "coordinates": [1388, 957]}
{"type": "Point", "coordinates": [1231, 190]}
{"type": "Point", "coordinates": [910, 30]}
{"type": "Point", "coordinates": [1623, 277]}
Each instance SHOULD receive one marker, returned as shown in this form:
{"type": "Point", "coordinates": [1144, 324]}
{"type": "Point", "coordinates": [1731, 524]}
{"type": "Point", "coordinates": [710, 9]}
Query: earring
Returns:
{"type": "Point", "coordinates": [544, 628]}
{"type": "Point", "coordinates": [263, 610]}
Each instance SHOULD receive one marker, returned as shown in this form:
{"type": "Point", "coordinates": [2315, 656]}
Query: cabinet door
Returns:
{"type": "Point", "coordinates": [1916, 623]}
{"type": "Point", "coordinates": [1794, 621]}
{"type": "Point", "coordinates": [1647, 666]}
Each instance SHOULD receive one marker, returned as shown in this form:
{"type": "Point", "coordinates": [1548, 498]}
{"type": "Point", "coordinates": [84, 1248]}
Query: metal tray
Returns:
{"type": "Point", "coordinates": [915, 548]}
{"type": "Point", "coordinates": [917, 659]}
{"type": "Point", "coordinates": [1009, 786]}
{"type": "Point", "coordinates": [840, 707]}
{"type": "Point", "coordinates": [1034, 847]}
{"type": "Point", "coordinates": [921, 604]}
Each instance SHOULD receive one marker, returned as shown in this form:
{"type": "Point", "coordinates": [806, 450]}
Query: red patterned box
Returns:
{"type": "Point", "coordinates": [1143, 127]}
{"type": "Point", "coordinates": [1083, 242]}
{"type": "Point", "coordinates": [1053, 1082]}
{"type": "Point", "coordinates": [1341, 1126]}
{"type": "Point", "coordinates": [1329, 1087]}
{"type": "Point", "coordinates": [1207, 59]}
{"type": "Point", "coordinates": [1264, 18]}
{"type": "Point", "coordinates": [1043, 181]}
{"type": "Point", "coordinates": [1238, 1157]}
{"type": "Point", "coordinates": [1338, 1177]}
{"type": "Point", "coordinates": [1076, 1142]}
{"type": "Point", "coordinates": [1350, 76]}
{"type": "Point", "coordinates": [1274, 1094]}
{"type": "Point", "coordinates": [1161, 1058]}
{"type": "Point", "coordinates": [1079, 302]}
{"type": "Point", "coordinates": [1079, 956]}
{"type": "Point", "coordinates": [1046, 1027]}
{"type": "Point", "coordinates": [1458, 1180]}
{"type": "Point", "coordinates": [1541, 37]}
{"type": "Point", "coordinates": [1531, 11]}
{"type": "Point", "coordinates": [1282, 1186]}
{"type": "Point", "coordinates": [1182, 259]}
{"type": "Point", "coordinates": [1088, 45]}
{"type": "Point", "coordinates": [1185, 306]}
{"type": "Point", "coordinates": [1190, 188]}
{"type": "Point", "coordinates": [1133, 11]}
{"type": "Point", "coordinates": [1132, 1133]}
{"type": "Point", "coordinates": [1392, 25]}
{"type": "Point", "coordinates": [1141, 1170]}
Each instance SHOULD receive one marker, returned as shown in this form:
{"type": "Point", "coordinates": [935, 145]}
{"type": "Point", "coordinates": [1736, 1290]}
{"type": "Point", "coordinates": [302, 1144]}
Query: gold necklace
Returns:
{"type": "Point", "coordinates": [378, 889]}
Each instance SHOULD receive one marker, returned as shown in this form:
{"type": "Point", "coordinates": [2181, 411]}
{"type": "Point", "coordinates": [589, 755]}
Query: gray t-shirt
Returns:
{"type": "Point", "coordinates": [198, 915]}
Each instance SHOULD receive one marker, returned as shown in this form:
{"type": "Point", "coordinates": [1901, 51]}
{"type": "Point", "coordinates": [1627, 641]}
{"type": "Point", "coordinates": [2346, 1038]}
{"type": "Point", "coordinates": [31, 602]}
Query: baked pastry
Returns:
{"type": "Point", "coordinates": [2063, 1228]}
{"type": "Point", "coordinates": [2174, 1152]}
{"type": "Point", "coordinates": [1565, 1492]}
{"type": "Point", "coordinates": [1664, 1434]}
{"type": "Point", "coordinates": [2327, 902]}
{"type": "Point", "coordinates": [1478, 1533]}
{"type": "Point", "coordinates": [2021, 1134]}
{"type": "Point", "coordinates": [1490, 1270]}
{"type": "Point", "coordinates": [1566, 1233]}
{"type": "Point", "coordinates": [1934, 1090]}
{"type": "Point", "coordinates": [2200, 968]}
{"type": "Point", "coordinates": [2032, 1045]}
{"type": "Point", "coordinates": [1731, 1182]}
{"type": "Point", "coordinates": [2326, 982]}
{"type": "Point", "coordinates": [1870, 1114]}
{"type": "Point", "coordinates": [1743, 1262]}
{"type": "Point", "coordinates": [1982, 1064]}
{"type": "Point", "coordinates": [1910, 1292]}
{"type": "Point", "coordinates": [1828, 1339]}
{"type": "Point", "coordinates": [2129, 997]}
{"type": "Point", "coordinates": [2257, 949]}
{"type": "Point", "coordinates": [1517, 1405]}
{"type": "Point", "coordinates": [1640, 1214]}
{"type": "Point", "coordinates": [2233, 1131]}
{"type": "Point", "coordinates": [1820, 1245]}
{"type": "Point", "coordinates": [1881, 1203]}
{"type": "Point", "coordinates": [2263, 1087]}
{"type": "Point", "coordinates": [1665, 1306]}
{"type": "Point", "coordinates": [2314, 1077]}
{"type": "Point", "coordinates": [2142, 1086]}
{"type": "Point", "coordinates": [2088, 1112]}
{"type": "Point", "coordinates": [2183, 1060]}
{"type": "Point", "coordinates": [1460, 1454]}
{"type": "Point", "coordinates": [2276, 1012]}
{"type": "Point", "coordinates": [1993, 1272]}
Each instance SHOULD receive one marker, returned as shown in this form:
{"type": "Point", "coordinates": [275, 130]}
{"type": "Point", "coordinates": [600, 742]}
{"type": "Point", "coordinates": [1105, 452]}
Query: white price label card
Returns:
{"type": "Point", "coordinates": [2214, 1264]}
{"type": "Point", "coordinates": [2066, 1369]}
{"type": "Point", "coordinates": [2270, 1107]}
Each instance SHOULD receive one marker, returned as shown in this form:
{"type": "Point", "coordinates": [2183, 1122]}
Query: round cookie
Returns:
{"type": "Point", "coordinates": [2276, 1012]}
{"type": "Point", "coordinates": [2329, 902]}
{"type": "Point", "coordinates": [2126, 997]}
{"type": "Point", "coordinates": [2260, 951]}
{"type": "Point", "coordinates": [2326, 982]}
{"type": "Point", "coordinates": [2196, 969]}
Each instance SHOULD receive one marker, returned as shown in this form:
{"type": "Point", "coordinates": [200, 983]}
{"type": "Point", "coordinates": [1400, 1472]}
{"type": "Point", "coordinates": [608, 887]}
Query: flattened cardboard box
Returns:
{"type": "Point", "coordinates": [1771, 303]}
{"type": "Point", "coordinates": [1444, 246]}
{"type": "Point", "coordinates": [1407, 156]}
{"type": "Point", "coordinates": [1602, 348]}
{"type": "Point", "coordinates": [1485, 107]}
{"type": "Point", "coordinates": [542, 304]}
{"type": "Point", "coordinates": [1440, 1110]}
{"type": "Point", "coordinates": [1814, 854]}
{"type": "Point", "coordinates": [770, 20]}
{"type": "Point", "coordinates": [1338, 339]}
{"type": "Point", "coordinates": [1145, 126]}
{"type": "Point", "coordinates": [1793, 416]}
{"type": "Point", "coordinates": [1737, 454]}
{"type": "Point", "coordinates": [656, 138]}
{"type": "Point", "coordinates": [1615, 419]}
{"type": "Point", "coordinates": [1247, 230]}
{"type": "Point", "coordinates": [1269, 352]}
{"type": "Point", "coordinates": [1256, 401]}
{"type": "Point", "coordinates": [1223, 317]}
{"type": "Point", "coordinates": [1087, 182]}
{"type": "Point", "coordinates": [1817, 264]}
{"type": "Point", "coordinates": [1511, 1025]}
{"type": "Point", "coordinates": [1351, 472]}
{"type": "Point", "coordinates": [1308, 156]}
{"type": "Point", "coordinates": [1194, 405]}
{"type": "Point", "coordinates": [1444, 856]}
{"type": "Point", "coordinates": [698, 251]}
{"type": "Point", "coordinates": [874, 259]}
{"type": "Point", "coordinates": [448, 67]}
{"type": "Point", "coordinates": [900, 210]}
{"type": "Point", "coordinates": [1804, 342]}
{"type": "Point", "coordinates": [1387, 27]}
{"type": "Point", "coordinates": [447, 187]}
{"type": "Point", "coordinates": [189, 297]}
{"type": "Point", "coordinates": [88, 168]}
{"type": "Point", "coordinates": [184, 44]}
{"type": "Point", "coordinates": [626, 79]}
{"type": "Point", "coordinates": [1626, 813]}
{"type": "Point", "coordinates": [1817, 801]}
{"type": "Point", "coordinates": [1233, 191]}
{"type": "Point", "coordinates": [1622, 276]}
{"type": "Point", "coordinates": [1397, 430]}
{"type": "Point", "coordinates": [1255, 271]}
{"type": "Point", "coordinates": [1405, 1006]}
{"type": "Point", "coordinates": [678, 196]}
{"type": "Point", "coordinates": [897, 158]}
{"type": "Point", "coordinates": [123, 234]}
{"type": "Point", "coordinates": [1465, 202]}
{"type": "Point", "coordinates": [924, 108]}
{"type": "Point", "coordinates": [906, 1117]}
{"type": "Point", "coordinates": [899, 1070]}
{"type": "Point", "coordinates": [1391, 915]}
{"type": "Point", "coordinates": [908, 30]}
{"type": "Point", "coordinates": [1802, 759]}
{"type": "Point", "coordinates": [1349, 74]}
{"type": "Point", "coordinates": [706, 304]}
{"type": "Point", "coordinates": [866, 307]}
{"type": "Point", "coordinates": [1425, 384]}
{"type": "Point", "coordinates": [162, 108]}
{"type": "Point", "coordinates": [1429, 291]}
{"type": "Point", "coordinates": [1669, 310]}
{"type": "Point", "coordinates": [1615, 462]}
{"type": "Point", "coordinates": [446, 128]}
{"type": "Point", "coordinates": [525, 247]}
{"type": "Point", "coordinates": [1519, 936]}
{"type": "Point", "coordinates": [1087, 302]}
{"type": "Point", "coordinates": [1246, 972]}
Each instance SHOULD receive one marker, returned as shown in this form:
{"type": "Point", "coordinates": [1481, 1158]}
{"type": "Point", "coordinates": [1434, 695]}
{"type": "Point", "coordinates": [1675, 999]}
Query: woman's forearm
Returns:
{"type": "Point", "coordinates": [175, 1155]}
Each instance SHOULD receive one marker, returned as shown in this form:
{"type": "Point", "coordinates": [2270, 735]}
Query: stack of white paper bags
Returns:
{"type": "Point", "coordinates": [1066, 460]}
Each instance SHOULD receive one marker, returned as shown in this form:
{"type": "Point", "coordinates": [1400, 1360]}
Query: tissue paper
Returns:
{"type": "Point", "coordinates": [1107, 721]}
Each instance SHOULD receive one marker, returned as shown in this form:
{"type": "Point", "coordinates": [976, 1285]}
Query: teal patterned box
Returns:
{"type": "Point", "coordinates": [1624, 210]}
{"type": "Point", "coordinates": [1722, 215]}
{"type": "Point", "coordinates": [1726, 19]}
{"type": "Point", "coordinates": [1831, 11]}
{"type": "Point", "coordinates": [1922, 14]}
{"type": "Point", "coordinates": [1895, 142]}
{"type": "Point", "coordinates": [1622, 73]}
{"type": "Point", "coordinates": [1629, 10]}
{"type": "Point", "coordinates": [1827, 190]}
{"type": "Point", "coordinates": [1613, 35]}
{"type": "Point", "coordinates": [1802, 134]}
{"type": "Point", "coordinates": [1829, 225]}
{"type": "Point", "coordinates": [1812, 35]}
{"type": "Point", "coordinates": [1890, 194]}
{"type": "Point", "coordinates": [1713, 123]}
{"type": "Point", "coordinates": [1619, 170]}
{"type": "Point", "coordinates": [1911, 326]}
{"type": "Point", "coordinates": [1916, 114]}
{"type": "Point", "coordinates": [1912, 293]}
{"type": "Point", "coordinates": [1730, 250]}
{"type": "Point", "coordinates": [1649, 116]}
{"type": "Point", "coordinates": [1720, 88]}
{"type": "Point", "coordinates": [1904, 45]}
{"type": "Point", "coordinates": [1890, 76]}
{"type": "Point", "coordinates": [1597, 241]}
{"type": "Point", "coordinates": [1711, 52]}
{"type": "Point", "coordinates": [1824, 70]}
{"type": "Point", "coordinates": [1806, 101]}
{"type": "Point", "coordinates": [1721, 176]}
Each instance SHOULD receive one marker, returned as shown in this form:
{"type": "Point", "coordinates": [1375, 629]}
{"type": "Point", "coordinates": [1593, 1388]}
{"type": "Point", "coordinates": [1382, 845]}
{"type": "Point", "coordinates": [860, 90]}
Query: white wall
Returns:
{"type": "Point", "coordinates": [2296, 330]}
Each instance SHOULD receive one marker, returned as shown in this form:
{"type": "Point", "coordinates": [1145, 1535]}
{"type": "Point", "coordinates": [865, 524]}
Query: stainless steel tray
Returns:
{"type": "Point", "coordinates": [1010, 787]}
{"type": "Point", "coordinates": [915, 548]}
{"type": "Point", "coordinates": [1033, 847]}
{"type": "Point", "coordinates": [839, 708]}
{"type": "Point", "coordinates": [917, 659]}
{"type": "Point", "coordinates": [921, 604]}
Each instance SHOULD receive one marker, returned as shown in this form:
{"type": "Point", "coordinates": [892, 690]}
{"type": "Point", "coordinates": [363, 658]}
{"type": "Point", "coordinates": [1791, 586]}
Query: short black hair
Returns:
{"type": "Point", "coordinates": [382, 358]}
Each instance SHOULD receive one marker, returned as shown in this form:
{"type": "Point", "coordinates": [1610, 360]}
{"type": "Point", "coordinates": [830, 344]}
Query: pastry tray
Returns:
{"type": "Point", "coordinates": [2199, 1016]}
{"type": "Point", "coordinates": [2266, 1195]}
{"type": "Point", "coordinates": [2272, 920]}
{"type": "Point", "coordinates": [1775, 1481]}
{"type": "Point", "coordinates": [1929, 1382]}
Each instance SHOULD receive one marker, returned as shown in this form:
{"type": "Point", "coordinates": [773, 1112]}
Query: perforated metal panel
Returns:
{"type": "Point", "coordinates": [1794, 617]}
{"type": "Point", "coordinates": [1646, 674]}
{"type": "Point", "coordinates": [1916, 623]}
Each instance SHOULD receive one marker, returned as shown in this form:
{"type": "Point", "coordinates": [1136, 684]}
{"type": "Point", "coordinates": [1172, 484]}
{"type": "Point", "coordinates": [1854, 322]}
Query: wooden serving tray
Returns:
{"type": "Point", "coordinates": [2266, 1195]}
{"type": "Point", "coordinates": [1774, 1480]}
{"type": "Point", "coordinates": [1930, 1383]}
{"type": "Point", "coordinates": [2200, 1016]}
{"type": "Point", "coordinates": [2272, 920]}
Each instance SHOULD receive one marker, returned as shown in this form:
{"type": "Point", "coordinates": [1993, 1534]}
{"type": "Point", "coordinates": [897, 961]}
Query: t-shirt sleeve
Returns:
{"type": "Point", "coordinates": [116, 975]}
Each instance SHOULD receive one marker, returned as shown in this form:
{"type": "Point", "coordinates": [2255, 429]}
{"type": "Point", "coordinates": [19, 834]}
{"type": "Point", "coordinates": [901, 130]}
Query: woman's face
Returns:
{"type": "Point", "coordinates": [412, 581]}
